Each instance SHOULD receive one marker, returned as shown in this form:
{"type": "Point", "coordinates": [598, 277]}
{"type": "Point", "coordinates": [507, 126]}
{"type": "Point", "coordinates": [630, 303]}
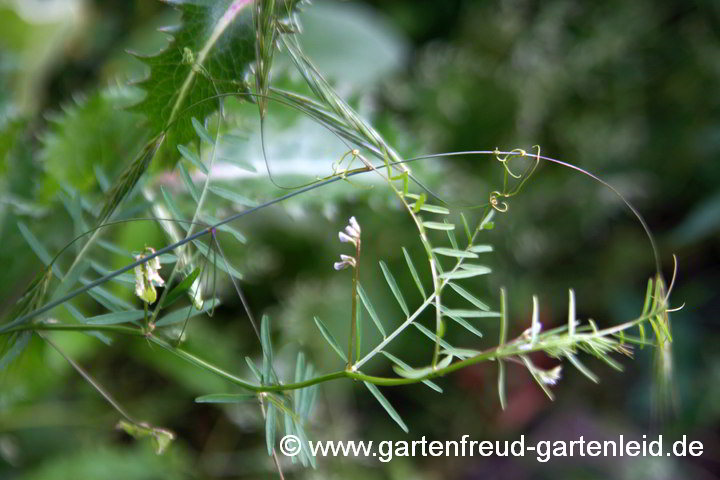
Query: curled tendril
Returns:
{"type": "Point", "coordinates": [530, 170]}
{"type": "Point", "coordinates": [497, 204]}
{"type": "Point", "coordinates": [507, 192]}
{"type": "Point", "coordinates": [505, 157]}
{"type": "Point", "coordinates": [354, 153]}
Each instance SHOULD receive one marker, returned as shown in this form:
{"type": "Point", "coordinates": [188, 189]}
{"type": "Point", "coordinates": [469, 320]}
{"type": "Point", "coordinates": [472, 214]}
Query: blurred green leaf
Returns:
{"type": "Point", "coordinates": [330, 338]}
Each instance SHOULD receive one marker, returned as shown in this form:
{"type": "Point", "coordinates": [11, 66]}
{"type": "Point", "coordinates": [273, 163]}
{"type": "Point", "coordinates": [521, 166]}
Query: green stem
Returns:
{"type": "Point", "coordinates": [353, 321]}
{"type": "Point", "coordinates": [508, 350]}
{"type": "Point", "coordinates": [38, 327]}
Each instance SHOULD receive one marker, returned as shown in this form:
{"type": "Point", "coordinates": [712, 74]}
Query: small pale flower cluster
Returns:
{"type": "Point", "coordinates": [550, 377]}
{"type": "Point", "coordinates": [531, 335]}
{"type": "Point", "coordinates": [350, 235]}
{"type": "Point", "coordinates": [533, 331]}
{"type": "Point", "coordinates": [147, 277]}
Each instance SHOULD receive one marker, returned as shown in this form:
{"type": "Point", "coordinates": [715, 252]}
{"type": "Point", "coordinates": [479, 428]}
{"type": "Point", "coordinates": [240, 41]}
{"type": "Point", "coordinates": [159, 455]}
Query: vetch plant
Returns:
{"type": "Point", "coordinates": [216, 51]}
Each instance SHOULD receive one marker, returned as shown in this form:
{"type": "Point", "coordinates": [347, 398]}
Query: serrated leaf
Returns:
{"type": "Point", "coordinates": [232, 196]}
{"type": "Point", "coordinates": [181, 314]}
{"type": "Point", "coordinates": [450, 252]}
{"type": "Point", "coordinates": [438, 226]}
{"type": "Point", "coordinates": [394, 287]}
{"type": "Point", "coordinates": [330, 338]}
{"type": "Point", "coordinates": [413, 272]}
{"type": "Point", "coordinates": [226, 398]}
{"type": "Point", "coordinates": [266, 348]}
{"type": "Point", "coordinates": [89, 136]}
{"type": "Point", "coordinates": [386, 405]}
{"type": "Point", "coordinates": [270, 428]}
{"type": "Point", "coordinates": [211, 53]}
{"type": "Point", "coordinates": [181, 288]}
{"type": "Point", "coordinates": [370, 309]}
{"type": "Point", "coordinates": [116, 317]}
{"type": "Point", "coordinates": [192, 157]}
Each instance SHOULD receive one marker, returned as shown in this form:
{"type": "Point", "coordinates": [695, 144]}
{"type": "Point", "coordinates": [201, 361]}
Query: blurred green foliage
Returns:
{"type": "Point", "coordinates": [624, 89]}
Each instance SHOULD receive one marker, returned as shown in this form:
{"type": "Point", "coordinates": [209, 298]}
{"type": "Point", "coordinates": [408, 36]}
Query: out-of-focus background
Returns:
{"type": "Point", "coordinates": [625, 89]}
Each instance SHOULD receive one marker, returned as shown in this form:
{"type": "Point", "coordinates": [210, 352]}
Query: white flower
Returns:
{"type": "Point", "coordinates": [345, 238]}
{"type": "Point", "coordinates": [345, 261]}
{"type": "Point", "coordinates": [147, 277]}
{"type": "Point", "coordinates": [533, 331]}
{"type": "Point", "coordinates": [550, 377]}
{"type": "Point", "coordinates": [355, 225]}
{"type": "Point", "coordinates": [350, 235]}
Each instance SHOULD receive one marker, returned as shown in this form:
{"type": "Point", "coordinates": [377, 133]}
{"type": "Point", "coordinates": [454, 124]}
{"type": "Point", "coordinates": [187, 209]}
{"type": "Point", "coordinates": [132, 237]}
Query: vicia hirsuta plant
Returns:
{"type": "Point", "coordinates": [211, 59]}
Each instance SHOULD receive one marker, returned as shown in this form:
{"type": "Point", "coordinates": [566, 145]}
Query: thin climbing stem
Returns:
{"type": "Point", "coordinates": [354, 308]}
